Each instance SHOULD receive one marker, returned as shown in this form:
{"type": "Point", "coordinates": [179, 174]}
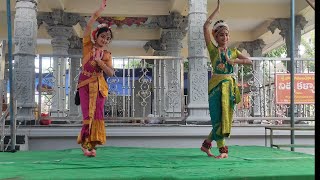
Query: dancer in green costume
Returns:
{"type": "Point", "coordinates": [223, 90]}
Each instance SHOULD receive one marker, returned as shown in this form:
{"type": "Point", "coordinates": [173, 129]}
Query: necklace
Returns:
{"type": "Point", "coordinates": [226, 55]}
{"type": "Point", "coordinates": [222, 63]}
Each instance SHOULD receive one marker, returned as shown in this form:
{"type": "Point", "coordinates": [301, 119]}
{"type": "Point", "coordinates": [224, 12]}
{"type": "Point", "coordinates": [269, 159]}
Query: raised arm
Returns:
{"type": "Point", "coordinates": [93, 18]}
{"type": "Point", "coordinates": [206, 29]}
{"type": "Point", "coordinates": [311, 3]}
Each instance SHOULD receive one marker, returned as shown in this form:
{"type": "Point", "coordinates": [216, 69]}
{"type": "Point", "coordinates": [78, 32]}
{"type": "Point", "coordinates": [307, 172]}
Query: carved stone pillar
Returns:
{"type": "Point", "coordinates": [172, 75]}
{"type": "Point", "coordinates": [284, 25]}
{"type": "Point", "coordinates": [198, 70]}
{"type": "Point", "coordinates": [25, 35]}
{"type": "Point", "coordinates": [170, 44]}
{"type": "Point", "coordinates": [75, 49]}
{"type": "Point", "coordinates": [254, 48]}
{"type": "Point", "coordinates": [60, 29]}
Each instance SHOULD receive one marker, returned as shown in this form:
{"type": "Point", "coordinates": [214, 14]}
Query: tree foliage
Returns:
{"type": "Point", "coordinates": [278, 52]}
{"type": "Point", "coordinates": [309, 52]}
{"type": "Point", "coordinates": [309, 46]}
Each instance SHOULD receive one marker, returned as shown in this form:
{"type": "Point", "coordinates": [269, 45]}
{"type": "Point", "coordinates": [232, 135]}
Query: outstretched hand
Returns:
{"type": "Point", "coordinates": [103, 4]}
{"type": "Point", "coordinates": [218, 5]}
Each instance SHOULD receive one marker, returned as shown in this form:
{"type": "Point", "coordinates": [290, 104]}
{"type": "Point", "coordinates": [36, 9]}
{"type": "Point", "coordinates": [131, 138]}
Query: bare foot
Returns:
{"type": "Point", "coordinates": [86, 152]}
{"type": "Point", "coordinates": [203, 149]}
{"type": "Point", "coordinates": [206, 146]}
{"type": "Point", "coordinates": [93, 153]}
{"type": "Point", "coordinates": [223, 152]}
{"type": "Point", "coordinates": [222, 155]}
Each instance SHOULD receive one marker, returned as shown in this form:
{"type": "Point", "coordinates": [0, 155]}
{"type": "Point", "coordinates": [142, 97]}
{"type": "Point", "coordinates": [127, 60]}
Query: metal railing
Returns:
{"type": "Point", "coordinates": [143, 87]}
{"type": "Point", "coordinates": [6, 131]}
{"type": "Point", "coordinates": [258, 90]}
{"type": "Point", "coordinates": [152, 88]}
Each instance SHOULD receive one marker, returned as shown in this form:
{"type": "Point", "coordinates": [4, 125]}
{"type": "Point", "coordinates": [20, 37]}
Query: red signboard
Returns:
{"type": "Point", "coordinates": [304, 88]}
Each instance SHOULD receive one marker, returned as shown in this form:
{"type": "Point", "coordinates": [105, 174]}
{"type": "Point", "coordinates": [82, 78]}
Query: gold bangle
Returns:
{"type": "Point", "coordinates": [109, 69]}
{"type": "Point", "coordinates": [95, 15]}
{"type": "Point", "coordinates": [103, 66]}
{"type": "Point", "coordinates": [100, 64]}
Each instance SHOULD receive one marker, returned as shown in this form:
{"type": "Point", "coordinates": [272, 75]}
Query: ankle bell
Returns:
{"type": "Point", "coordinates": [206, 144]}
{"type": "Point", "coordinates": [224, 149]}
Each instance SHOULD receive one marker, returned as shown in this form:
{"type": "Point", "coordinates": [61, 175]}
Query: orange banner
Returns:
{"type": "Point", "coordinates": [304, 88]}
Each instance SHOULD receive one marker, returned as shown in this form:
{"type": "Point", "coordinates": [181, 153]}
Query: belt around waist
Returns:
{"type": "Point", "coordinates": [90, 74]}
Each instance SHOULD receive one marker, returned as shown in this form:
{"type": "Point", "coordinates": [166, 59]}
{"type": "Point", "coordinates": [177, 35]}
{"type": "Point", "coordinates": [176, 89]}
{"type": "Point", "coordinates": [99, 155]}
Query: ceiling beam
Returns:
{"type": "Point", "coordinates": [125, 8]}
{"type": "Point", "coordinates": [255, 10]}
{"type": "Point", "coordinates": [261, 29]}
{"type": "Point", "coordinates": [245, 11]}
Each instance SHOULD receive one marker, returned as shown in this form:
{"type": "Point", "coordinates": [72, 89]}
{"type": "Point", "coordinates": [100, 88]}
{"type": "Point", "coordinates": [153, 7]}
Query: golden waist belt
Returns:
{"type": "Point", "coordinates": [90, 74]}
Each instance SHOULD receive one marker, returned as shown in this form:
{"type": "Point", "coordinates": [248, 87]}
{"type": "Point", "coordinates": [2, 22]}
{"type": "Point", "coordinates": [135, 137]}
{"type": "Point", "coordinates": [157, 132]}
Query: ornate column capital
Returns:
{"type": "Point", "coordinates": [173, 21]}
{"type": "Point", "coordinates": [254, 48]}
{"type": "Point", "coordinates": [59, 17]}
{"type": "Point", "coordinates": [83, 22]}
{"type": "Point", "coordinates": [157, 45]}
{"type": "Point", "coordinates": [174, 30]}
{"type": "Point", "coordinates": [172, 34]}
{"type": "Point", "coordinates": [59, 27]}
{"type": "Point", "coordinates": [60, 31]}
{"type": "Point", "coordinates": [75, 47]}
{"type": "Point", "coordinates": [170, 39]}
{"type": "Point", "coordinates": [283, 24]}
{"type": "Point", "coordinates": [60, 36]}
{"type": "Point", "coordinates": [32, 1]}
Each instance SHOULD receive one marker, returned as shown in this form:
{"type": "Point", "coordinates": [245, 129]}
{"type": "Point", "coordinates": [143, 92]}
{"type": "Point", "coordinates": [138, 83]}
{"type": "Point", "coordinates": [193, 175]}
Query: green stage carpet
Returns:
{"type": "Point", "coordinates": [244, 162]}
